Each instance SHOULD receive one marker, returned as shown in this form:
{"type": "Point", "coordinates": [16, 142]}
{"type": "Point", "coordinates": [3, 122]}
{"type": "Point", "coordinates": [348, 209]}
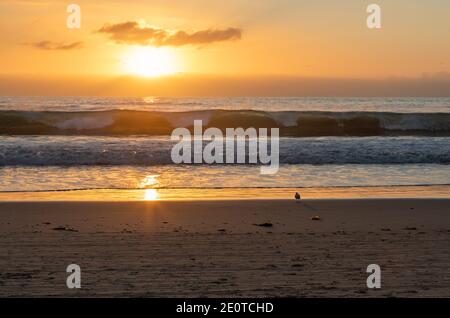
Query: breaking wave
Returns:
{"type": "Point", "coordinates": [291, 123]}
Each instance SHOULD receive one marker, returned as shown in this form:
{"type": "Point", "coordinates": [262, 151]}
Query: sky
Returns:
{"type": "Point", "coordinates": [234, 47]}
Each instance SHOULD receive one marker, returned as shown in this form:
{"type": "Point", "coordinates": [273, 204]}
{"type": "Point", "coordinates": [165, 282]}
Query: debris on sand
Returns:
{"type": "Point", "coordinates": [264, 224]}
{"type": "Point", "coordinates": [316, 218]}
{"type": "Point", "coordinates": [64, 228]}
{"type": "Point", "coordinates": [410, 228]}
{"type": "Point", "coordinates": [221, 230]}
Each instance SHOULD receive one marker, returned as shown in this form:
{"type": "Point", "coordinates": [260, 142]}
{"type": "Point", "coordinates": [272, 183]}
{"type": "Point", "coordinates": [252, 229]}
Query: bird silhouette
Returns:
{"type": "Point", "coordinates": [297, 196]}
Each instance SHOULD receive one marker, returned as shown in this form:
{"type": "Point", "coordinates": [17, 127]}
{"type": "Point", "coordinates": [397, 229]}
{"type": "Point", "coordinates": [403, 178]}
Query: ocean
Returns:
{"type": "Point", "coordinates": [85, 143]}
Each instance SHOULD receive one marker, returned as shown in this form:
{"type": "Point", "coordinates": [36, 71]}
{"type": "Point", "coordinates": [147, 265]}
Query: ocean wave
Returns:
{"type": "Point", "coordinates": [148, 151]}
{"type": "Point", "coordinates": [290, 123]}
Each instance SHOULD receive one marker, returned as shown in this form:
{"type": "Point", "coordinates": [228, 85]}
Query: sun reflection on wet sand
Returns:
{"type": "Point", "coordinates": [233, 194]}
{"type": "Point", "coordinates": [149, 181]}
{"type": "Point", "coordinates": [151, 195]}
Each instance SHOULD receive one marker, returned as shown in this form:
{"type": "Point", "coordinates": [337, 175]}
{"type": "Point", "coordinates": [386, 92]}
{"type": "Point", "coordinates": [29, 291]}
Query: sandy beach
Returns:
{"type": "Point", "coordinates": [265, 150]}
{"type": "Point", "coordinates": [229, 248]}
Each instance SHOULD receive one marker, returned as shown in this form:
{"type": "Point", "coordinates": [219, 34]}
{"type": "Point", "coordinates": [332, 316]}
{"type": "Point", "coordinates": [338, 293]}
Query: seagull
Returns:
{"type": "Point", "coordinates": [297, 196]}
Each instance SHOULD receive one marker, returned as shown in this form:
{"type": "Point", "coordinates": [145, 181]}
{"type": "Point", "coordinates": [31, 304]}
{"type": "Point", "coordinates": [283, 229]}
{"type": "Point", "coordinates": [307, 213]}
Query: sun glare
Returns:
{"type": "Point", "coordinates": [149, 61]}
{"type": "Point", "coordinates": [151, 195]}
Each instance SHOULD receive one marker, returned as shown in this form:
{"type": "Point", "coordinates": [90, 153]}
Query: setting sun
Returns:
{"type": "Point", "coordinates": [149, 61]}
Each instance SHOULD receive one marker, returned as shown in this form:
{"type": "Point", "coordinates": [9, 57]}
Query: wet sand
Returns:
{"type": "Point", "coordinates": [233, 248]}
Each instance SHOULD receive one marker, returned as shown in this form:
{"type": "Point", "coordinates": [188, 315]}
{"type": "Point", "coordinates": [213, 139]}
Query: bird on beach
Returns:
{"type": "Point", "coordinates": [298, 199]}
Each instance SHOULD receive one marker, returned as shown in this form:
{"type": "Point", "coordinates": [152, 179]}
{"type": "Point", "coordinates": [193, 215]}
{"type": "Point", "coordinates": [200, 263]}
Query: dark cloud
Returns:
{"type": "Point", "coordinates": [132, 33]}
{"type": "Point", "coordinates": [57, 46]}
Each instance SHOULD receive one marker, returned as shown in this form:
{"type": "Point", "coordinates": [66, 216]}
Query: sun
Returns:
{"type": "Point", "coordinates": [149, 61]}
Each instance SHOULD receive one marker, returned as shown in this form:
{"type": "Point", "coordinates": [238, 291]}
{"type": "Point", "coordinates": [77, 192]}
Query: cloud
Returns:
{"type": "Point", "coordinates": [57, 46]}
{"type": "Point", "coordinates": [132, 33]}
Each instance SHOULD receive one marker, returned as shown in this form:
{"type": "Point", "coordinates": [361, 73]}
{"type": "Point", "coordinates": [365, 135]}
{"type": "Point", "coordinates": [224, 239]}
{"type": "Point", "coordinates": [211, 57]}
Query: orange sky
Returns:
{"type": "Point", "coordinates": [230, 39]}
